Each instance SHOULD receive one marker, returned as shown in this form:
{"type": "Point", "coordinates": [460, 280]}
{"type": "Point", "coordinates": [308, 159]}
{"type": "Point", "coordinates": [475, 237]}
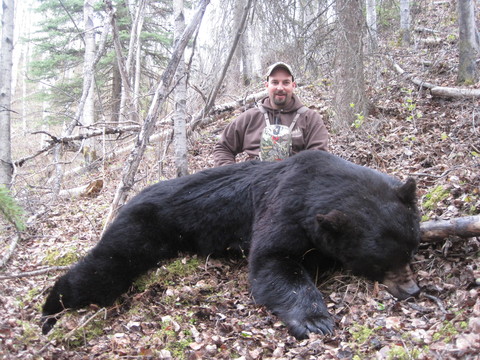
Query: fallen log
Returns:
{"type": "Point", "coordinates": [434, 230]}
{"type": "Point", "coordinates": [92, 189]}
{"type": "Point", "coordinates": [439, 91]}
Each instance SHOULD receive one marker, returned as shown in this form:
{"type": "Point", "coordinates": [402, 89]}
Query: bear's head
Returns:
{"type": "Point", "coordinates": [376, 238]}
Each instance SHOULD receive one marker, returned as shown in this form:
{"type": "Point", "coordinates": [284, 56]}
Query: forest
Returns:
{"type": "Point", "coordinates": [102, 98]}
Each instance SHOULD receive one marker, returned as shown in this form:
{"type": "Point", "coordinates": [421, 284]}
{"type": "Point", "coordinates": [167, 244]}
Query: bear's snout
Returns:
{"type": "Point", "coordinates": [400, 283]}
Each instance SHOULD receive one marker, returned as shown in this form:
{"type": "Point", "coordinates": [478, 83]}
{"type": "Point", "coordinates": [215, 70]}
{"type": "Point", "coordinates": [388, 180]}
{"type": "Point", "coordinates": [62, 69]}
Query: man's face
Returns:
{"type": "Point", "coordinates": [280, 88]}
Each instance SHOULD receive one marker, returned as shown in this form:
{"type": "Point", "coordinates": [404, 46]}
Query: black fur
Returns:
{"type": "Point", "coordinates": [276, 212]}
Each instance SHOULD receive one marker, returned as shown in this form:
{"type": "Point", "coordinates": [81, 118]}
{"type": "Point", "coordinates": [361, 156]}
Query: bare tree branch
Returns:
{"type": "Point", "coordinates": [35, 272]}
{"type": "Point", "coordinates": [70, 138]}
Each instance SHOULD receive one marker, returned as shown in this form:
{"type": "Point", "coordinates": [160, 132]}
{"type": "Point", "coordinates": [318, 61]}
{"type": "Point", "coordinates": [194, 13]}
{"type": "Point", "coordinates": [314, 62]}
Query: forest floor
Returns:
{"type": "Point", "coordinates": [201, 308]}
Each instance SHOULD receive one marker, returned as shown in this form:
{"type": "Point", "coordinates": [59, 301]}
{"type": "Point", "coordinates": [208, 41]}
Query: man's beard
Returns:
{"type": "Point", "coordinates": [281, 101]}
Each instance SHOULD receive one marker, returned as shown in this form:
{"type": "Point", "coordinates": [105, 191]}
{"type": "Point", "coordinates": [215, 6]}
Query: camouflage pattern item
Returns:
{"type": "Point", "coordinates": [276, 141]}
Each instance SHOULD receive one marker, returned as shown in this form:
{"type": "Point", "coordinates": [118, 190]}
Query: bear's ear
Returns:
{"type": "Point", "coordinates": [334, 221]}
{"type": "Point", "coordinates": [407, 191]}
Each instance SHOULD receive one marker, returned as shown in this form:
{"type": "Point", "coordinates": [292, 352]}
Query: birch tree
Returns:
{"type": "Point", "coordinates": [372, 24]}
{"type": "Point", "coordinates": [405, 21]}
{"type": "Point", "coordinates": [6, 64]}
{"type": "Point", "coordinates": [89, 151]}
{"type": "Point", "coordinates": [468, 47]}
{"type": "Point", "coordinates": [179, 117]}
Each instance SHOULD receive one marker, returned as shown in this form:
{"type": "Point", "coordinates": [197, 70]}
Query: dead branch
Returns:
{"type": "Point", "coordinates": [201, 119]}
{"type": "Point", "coordinates": [86, 322]}
{"type": "Point", "coordinates": [468, 226]}
{"type": "Point", "coordinates": [71, 138]}
{"type": "Point", "coordinates": [10, 249]}
{"type": "Point", "coordinates": [35, 272]}
{"type": "Point", "coordinates": [436, 300]}
{"type": "Point", "coordinates": [440, 91]}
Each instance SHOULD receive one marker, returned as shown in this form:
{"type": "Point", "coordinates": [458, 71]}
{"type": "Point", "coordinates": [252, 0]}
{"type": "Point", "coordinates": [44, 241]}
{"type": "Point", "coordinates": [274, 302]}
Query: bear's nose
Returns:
{"type": "Point", "coordinates": [400, 283]}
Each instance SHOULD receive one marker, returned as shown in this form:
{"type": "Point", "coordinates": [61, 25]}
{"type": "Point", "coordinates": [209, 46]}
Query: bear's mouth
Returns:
{"type": "Point", "coordinates": [400, 283]}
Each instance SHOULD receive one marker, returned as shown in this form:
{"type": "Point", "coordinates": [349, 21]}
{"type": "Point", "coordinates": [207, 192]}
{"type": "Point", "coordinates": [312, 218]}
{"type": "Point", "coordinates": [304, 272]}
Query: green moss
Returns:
{"type": "Point", "coordinates": [29, 333]}
{"type": "Point", "coordinates": [29, 297]}
{"type": "Point", "coordinates": [176, 341]}
{"type": "Point", "coordinates": [401, 353]}
{"type": "Point", "coordinates": [434, 197]}
{"type": "Point", "coordinates": [183, 267]}
{"type": "Point", "coordinates": [168, 274]}
{"type": "Point", "coordinates": [177, 348]}
{"type": "Point", "coordinates": [56, 257]}
{"type": "Point", "coordinates": [82, 335]}
{"type": "Point", "coordinates": [361, 333]}
{"type": "Point", "coordinates": [446, 333]}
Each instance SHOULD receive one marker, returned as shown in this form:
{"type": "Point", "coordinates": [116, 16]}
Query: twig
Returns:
{"type": "Point", "coordinates": [34, 273]}
{"type": "Point", "coordinates": [437, 301]}
{"type": "Point", "coordinates": [85, 323]}
{"type": "Point", "coordinates": [71, 138]}
{"type": "Point", "coordinates": [69, 334]}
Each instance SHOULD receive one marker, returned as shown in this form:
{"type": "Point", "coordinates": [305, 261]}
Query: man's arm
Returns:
{"type": "Point", "coordinates": [317, 134]}
{"type": "Point", "coordinates": [222, 155]}
{"type": "Point", "coordinates": [230, 143]}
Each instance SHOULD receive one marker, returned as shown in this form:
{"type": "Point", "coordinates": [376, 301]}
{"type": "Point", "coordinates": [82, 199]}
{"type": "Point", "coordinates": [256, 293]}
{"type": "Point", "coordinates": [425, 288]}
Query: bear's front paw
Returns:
{"type": "Point", "coordinates": [47, 324]}
{"type": "Point", "coordinates": [300, 324]}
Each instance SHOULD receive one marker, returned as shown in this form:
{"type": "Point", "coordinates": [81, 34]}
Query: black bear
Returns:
{"type": "Point", "coordinates": [277, 213]}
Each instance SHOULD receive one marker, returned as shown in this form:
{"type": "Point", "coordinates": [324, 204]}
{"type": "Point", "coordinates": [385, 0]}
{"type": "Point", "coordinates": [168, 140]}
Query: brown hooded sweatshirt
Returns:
{"type": "Point", "coordinates": [244, 133]}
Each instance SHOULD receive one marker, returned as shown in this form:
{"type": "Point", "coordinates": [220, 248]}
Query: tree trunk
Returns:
{"type": "Point", "coordinates": [235, 66]}
{"type": "Point", "coordinates": [6, 64]}
{"type": "Point", "coordinates": [137, 67]}
{"type": "Point", "coordinates": [467, 43]}
{"type": "Point", "coordinates": [468, 226]}
{"type": "Point", "coordinates": [89, 148]}
{"type": "Point", "coordinates": [121, 13]}
{"type": "Point", "coordinates": [247, 59]}
{"type": "Point", "coordinates": [405, 21]}
{"type": "Point", "coordinates": [372, 25]}
{"type": "Point", "coordinates": [116, 93]}
{"type": "Point", "coordinates": [127, 111]}
{"type": "Point", "coordinates": [87, 85]}
{"type": "Point", "coordinates": [133, 161]}
{"type": "Point", "coordinates": [241, 28]}
{"type": "Point", "coordinates": [350, 100]}
{"type": "Point", "coordinates": [179, 117]}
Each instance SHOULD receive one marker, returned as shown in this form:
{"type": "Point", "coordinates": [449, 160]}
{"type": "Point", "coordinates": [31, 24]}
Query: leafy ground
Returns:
{"type": "Point", "coordinates": [198, 308]}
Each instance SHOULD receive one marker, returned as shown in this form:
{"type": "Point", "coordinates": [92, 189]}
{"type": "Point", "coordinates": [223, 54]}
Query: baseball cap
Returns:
{"type": "Point", "coordinates": [277, 65]}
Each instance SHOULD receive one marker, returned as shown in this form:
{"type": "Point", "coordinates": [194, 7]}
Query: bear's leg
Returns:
{"type": "Point", "coordinates": [99, 278]}
{"type": "Point", "coordinates": [129, 248]}
{"type": "Point", "coordinates": [283, 285]}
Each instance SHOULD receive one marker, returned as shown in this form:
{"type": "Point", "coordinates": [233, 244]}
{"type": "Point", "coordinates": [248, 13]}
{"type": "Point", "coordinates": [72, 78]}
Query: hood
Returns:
{"type": "Point", "coordinates": [293, 106]}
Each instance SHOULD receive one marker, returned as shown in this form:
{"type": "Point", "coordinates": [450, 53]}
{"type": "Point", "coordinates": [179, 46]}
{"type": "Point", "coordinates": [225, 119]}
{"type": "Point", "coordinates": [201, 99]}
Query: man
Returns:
{"type": "Point", "coordinates": [281, 106]}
